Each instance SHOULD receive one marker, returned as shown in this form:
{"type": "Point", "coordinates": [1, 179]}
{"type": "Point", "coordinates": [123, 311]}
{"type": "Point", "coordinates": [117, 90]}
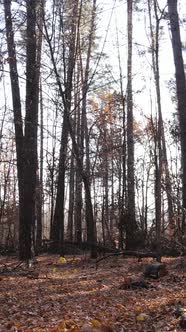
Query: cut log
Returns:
{"type": "Point", "coordinates": [155, 270]}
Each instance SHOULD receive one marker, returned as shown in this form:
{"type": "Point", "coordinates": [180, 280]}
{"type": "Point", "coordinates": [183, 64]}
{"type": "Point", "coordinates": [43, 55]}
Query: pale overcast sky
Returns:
{"type": "Point", "coordinates": [114, 13]}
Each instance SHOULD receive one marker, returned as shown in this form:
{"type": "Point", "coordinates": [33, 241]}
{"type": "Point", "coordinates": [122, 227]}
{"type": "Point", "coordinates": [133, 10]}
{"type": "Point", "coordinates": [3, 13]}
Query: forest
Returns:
{"type": "Point", "coordinates": [81, 161]}
{"type": "Point", "coordinates": [93, 164]}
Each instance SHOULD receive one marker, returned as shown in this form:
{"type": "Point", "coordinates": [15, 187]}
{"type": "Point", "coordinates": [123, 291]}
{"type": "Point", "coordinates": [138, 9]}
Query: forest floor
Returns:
{"type": "Point", "coordinates": [71, 295]}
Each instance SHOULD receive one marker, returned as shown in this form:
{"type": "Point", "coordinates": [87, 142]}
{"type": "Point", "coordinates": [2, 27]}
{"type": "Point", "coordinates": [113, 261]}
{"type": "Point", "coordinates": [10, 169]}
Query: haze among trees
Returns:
{"type": "Point", "coordinates": [92, 134]}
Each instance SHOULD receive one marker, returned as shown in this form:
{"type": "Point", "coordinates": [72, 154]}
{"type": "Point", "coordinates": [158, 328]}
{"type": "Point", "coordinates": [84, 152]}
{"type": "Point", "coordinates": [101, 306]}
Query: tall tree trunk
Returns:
{"type": "Point", "coordinates": [161, 146]}
{"type": "Point", "coordinates": [91, 225]}
{"type": "Point", "coordinates": [58, 223]}
{"type": "Point", "coordinates": [159, 124]}
{"type": "Point", "coordinates": [103, 220]}
{"type": "Point", "coordinates": [123, 139]}
{"type": "Point", "coordinates": [40, 207]}
{"type": "Point", "coordinates": [181, 93]}
{"type": "Point", "coordinates": [78, 206]}
{"type": "Point", "coordinates": [39, 189]}
{"type": "Point", "coordinates": [105, 183]}
{"type": "Point", "coordinates": [112, 200]}
{"type": "Point", "coordinates": [130, 222]}
{"type": "Point", "coordinates": [78, 183]}
{"type": "Point", "coordinates": [30, 141]}
{"type": "Point", "coordinates": [85, 134]}
{"type": "Point", "coordinates": [16, 111]}
{"type": "Point", "coordinates": [71, 200]}
{"type": "Point", "coordinates": [26, 147]}
{"type": "Point", "coordinates": [52, 192]}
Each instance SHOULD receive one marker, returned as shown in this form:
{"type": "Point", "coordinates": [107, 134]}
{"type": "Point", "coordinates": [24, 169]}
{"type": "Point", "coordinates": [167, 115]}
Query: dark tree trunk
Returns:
{"type": "Point", "coordinates": [58, 223]}
{"type": "Point", "coordinates": [78, 207]}
{"type": "Point", "coordinates": [16, 111]}
{"type": "Point", "coordinates": [91, 225]}
{"type": "Point", "coordinates": [161, 146]}
{"type": "Point", "coordinates": [105, 184]}
{"type": "Point", "coordinates": [57, 233]}
{"type": "Point", "coordinates": [25, 146]}
{"type": "Point", "coordinates": [71, 201]}
{"type": "Point", "coordinates": [130, 222]}
{"type": "Point", "coordinates": [40, 184]}
{"type": "Point", "coordinates": [181, 91]}
{"type": "Point", "coordinates": [84, 115]}
{"type": "Point", "coordinates": [39, 189]}
{"type": "Point", "coordinates": [52, 191]}
{"type": "Point", "coordinates": [159, 124]}
{"type": "Point", "coordinates": [122, 179]}
{"type": "Point", "coordinates": [78, 182]}
{"type": "Point", "coordinates": [30, 142]}
{"type": "Point", "coordinates": [91, 232]}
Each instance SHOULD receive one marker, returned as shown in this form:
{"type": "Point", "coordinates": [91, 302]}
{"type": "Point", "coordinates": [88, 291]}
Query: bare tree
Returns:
{"type": "Point", "coordinates": [66, 99]}
{"type": "Point", "coordinates": [58, 222]}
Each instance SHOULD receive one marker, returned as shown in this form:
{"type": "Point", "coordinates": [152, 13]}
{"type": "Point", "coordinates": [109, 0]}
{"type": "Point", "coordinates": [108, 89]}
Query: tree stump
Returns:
{"type": "Point", "coordinates": [155, 270]}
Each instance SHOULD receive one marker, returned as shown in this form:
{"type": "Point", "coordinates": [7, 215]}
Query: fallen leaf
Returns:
{"type": "Point", "coordinates": [142, 317]}
{"type": "Point", "coordinates": [95, 323]}
{"type": "Point", "coordinates": [62, 260]}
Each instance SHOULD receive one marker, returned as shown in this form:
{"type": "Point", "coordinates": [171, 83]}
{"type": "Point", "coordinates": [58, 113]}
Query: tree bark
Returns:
{"type": "Point", "coordinates": [162, 162]}
{"type": "Point", "coordinates": [130, 222]}
{"type": "Point", "coordinates": [159, 122]}
{"type": "Point", "coordinates": [84, 113]}
{"type": "Point", "coordinates": [39, 189]}
{"type": "Point", "coordinates": [30, 140]}
{"type": "Point", "coordinates": [26, 145]}
{"type": "Point", "coordinates": [58, 223]}
{"type": "Point", "coordinates": [90, 216]}
{"type": "Point", "coordinates": [18, 124]}
{"type": "Point", "coordinates": [80, 136]}
{"type": "Point", "coordinates": [181, 93]}
{"type": "Point", "coordinates": [71, 201]}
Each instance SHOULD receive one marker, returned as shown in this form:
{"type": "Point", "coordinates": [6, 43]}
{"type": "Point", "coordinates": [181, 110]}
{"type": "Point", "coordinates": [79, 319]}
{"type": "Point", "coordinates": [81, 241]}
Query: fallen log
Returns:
{"type": "Point", "coordinates": [129, 253]}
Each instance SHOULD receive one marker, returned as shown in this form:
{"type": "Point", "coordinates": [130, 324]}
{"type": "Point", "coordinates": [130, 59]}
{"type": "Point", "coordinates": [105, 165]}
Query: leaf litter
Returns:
{"type": "Point", "coordinates": [70, 295]}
